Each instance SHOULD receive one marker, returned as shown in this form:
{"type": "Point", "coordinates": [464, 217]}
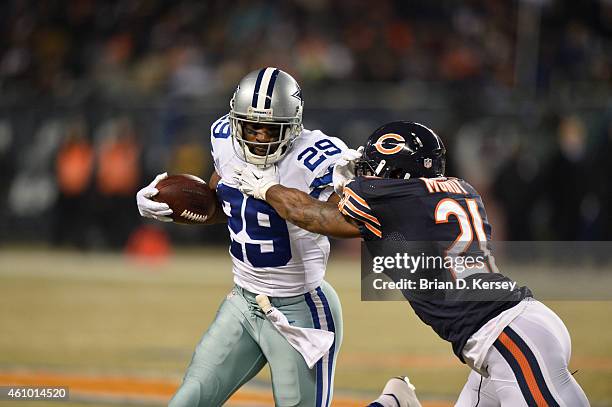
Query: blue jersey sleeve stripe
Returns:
{"type": "Point", "coordinates": [220, 129]}
{"type": "Point", "coordinates": [325, 179]}
{"type": "Point", "coordinates": [316, 193]}
{"type": "Point", "coordinates": [225, 128]}
{"type": "Point", "coordinates": [322, 181]}
{"type": "Point", "coordinates": [219, 122]}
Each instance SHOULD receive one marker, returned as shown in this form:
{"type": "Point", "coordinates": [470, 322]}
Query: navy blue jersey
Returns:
{"type": "Point", "coordinates": [442, 217]}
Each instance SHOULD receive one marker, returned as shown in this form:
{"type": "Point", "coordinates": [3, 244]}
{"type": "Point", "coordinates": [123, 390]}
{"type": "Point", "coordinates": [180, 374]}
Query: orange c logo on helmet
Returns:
{"type": "Point", "coordinates": [385, 144]}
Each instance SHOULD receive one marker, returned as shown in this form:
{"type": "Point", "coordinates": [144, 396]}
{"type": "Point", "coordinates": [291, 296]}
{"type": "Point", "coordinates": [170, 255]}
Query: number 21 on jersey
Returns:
{"type": "Point", "coordinates": [471, 227]}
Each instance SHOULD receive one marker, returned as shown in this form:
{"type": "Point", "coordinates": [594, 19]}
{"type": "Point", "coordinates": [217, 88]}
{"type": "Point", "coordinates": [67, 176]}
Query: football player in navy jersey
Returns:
{"type": "Point", "coordinates": [394, 193]}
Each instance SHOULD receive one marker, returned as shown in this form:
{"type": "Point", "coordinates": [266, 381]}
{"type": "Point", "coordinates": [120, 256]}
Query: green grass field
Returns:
{"type": "Point", "coordinates": [101, 314]}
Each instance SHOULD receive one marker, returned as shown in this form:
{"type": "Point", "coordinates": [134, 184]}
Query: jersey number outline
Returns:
{"type": "Point", "coordinates": [447, 207]}
{"type": "Point", "coordinates": [469, 225]}
{"type": "Point", "coordinates": [313, 157]}
{"type": "Point", "coordinates": [262, 225]}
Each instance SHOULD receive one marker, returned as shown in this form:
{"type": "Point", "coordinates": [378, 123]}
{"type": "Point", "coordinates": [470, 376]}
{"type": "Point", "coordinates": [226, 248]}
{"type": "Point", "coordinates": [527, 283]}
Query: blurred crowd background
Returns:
{"type": "Point", "coordinates": [97, 97]}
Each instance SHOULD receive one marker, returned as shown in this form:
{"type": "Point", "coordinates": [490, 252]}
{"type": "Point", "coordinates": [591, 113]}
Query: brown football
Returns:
{"type": "Point", "coordinates": [189, 197]}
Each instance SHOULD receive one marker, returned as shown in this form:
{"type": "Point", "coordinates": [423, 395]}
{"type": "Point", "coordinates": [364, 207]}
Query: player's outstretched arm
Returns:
{"type": "Point", "coordinates": [311, 214]}
{"type": "Point", "coordinates": [294, 205]}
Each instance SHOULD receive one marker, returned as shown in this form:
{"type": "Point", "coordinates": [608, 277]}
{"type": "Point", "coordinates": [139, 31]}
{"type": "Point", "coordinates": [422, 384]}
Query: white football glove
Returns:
{"type": "Point", "coordinates": [256, 181]}
{"type": "Point", "coordinates": [344, 168]}
{"type": "Point", "coordinates": [147, 207]}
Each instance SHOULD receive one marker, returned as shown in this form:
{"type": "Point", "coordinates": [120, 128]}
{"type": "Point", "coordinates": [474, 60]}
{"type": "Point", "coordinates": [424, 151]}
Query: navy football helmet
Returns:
{"type": "Point", "coordinates": [402, 149]}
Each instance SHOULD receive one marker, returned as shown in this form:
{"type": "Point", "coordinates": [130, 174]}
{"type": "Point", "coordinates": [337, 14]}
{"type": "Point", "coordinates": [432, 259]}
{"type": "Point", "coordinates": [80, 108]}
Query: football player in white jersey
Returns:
{"type": "Point", "coordinates": [270, 256]}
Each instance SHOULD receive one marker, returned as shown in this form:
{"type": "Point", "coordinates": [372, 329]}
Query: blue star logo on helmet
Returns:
{"type": "Point", "coordinates": [298, 94]}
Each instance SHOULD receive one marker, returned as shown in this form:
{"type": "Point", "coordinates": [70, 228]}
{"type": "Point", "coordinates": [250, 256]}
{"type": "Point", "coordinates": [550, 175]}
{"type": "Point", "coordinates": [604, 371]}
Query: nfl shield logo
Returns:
{"type": "Point", "coordinates": [427, 163]}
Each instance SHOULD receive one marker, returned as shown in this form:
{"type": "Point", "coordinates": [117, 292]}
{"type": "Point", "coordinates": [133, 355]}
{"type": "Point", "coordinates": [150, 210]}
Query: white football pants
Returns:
{"type": "Point", "coordinates": [527, 365]}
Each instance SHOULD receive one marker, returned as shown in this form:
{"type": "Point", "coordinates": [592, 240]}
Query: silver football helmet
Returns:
{"type": "Point", "coordinates": [267, 96]}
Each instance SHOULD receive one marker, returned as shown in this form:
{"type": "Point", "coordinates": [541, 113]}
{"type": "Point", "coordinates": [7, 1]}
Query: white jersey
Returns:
{"type": "Point", "coordinates": [271, 256]}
